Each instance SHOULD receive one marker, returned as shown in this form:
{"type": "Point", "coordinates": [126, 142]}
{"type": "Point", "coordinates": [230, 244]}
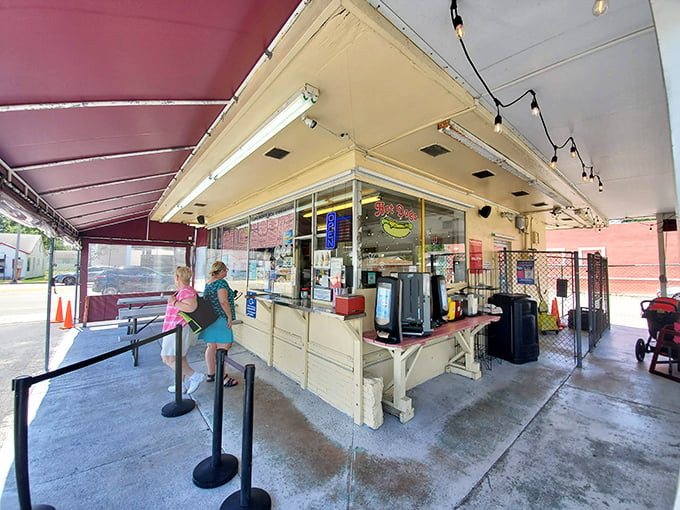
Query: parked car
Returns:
{"type": "Point", "coordinates": [123, 280]}
{"type": "Point", "coordinates": [65, 278]}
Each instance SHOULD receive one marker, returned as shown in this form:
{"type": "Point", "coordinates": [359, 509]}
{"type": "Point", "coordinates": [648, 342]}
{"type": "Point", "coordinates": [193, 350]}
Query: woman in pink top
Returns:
{"type": "Point", "coordinates": [184, 300]}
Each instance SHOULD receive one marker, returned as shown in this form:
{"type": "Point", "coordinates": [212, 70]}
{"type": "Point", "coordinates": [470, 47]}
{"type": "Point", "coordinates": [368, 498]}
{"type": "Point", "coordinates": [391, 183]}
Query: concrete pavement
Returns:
{"type": "Point", "coordinates": [538, 435]}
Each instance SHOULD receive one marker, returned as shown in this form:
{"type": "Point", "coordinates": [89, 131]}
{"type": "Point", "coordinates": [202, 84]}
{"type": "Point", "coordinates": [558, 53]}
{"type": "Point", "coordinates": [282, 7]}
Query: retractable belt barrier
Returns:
{"type": "Point", "coordinates": [21, 386]}
{"type": "Point", "coordinates": [219, 468]}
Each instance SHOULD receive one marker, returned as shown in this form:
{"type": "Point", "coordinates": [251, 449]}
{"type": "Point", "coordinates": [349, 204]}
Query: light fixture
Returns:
{"type": "Point", "coordinates": [457, 20]}
{"type": "Point", "coordinates": [458, 26]}
{"type": "Point", "coordinates": [584, 175]}
{"type": "Point", "coordinates": [591, 177]}
{"type": "Point", "coordinates": [298, 104]}
{"type": "Point", "coordinates": [462, 135]}
{"type": "Point", "coordinates": [600, 7]}
{"type": "Point", "coordinates": [498, 124]}
{"type": "Point", "coordinates": [344, 205]}
{"type": "Point", "coordinates": [535, 110]}
{"type": "Point", "coordinates": [600, 186]}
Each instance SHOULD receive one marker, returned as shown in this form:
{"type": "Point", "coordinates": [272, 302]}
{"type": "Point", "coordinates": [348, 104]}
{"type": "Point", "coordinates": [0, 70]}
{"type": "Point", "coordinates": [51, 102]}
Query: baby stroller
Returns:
{"type": "Point", "coordinates": [659, 312]}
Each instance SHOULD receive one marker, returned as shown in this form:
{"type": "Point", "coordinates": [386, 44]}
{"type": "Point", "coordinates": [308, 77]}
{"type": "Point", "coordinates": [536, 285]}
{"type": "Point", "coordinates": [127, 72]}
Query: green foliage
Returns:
{"type": "Point", "coordinates": [11, 226]}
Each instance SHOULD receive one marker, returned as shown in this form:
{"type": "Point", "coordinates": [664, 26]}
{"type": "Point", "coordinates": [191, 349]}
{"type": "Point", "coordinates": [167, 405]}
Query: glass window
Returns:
{"type": "Point", "coordinates": [332, 258]}
{"type": "Point", "coordinates": [235, 250]}
{"type": "Point", "coordinates": [445, 242]}
{"type": "Point", "coordinates": [390, 233]}
{"type": "Point", "coordinates": [122, 269]}
{"type": "Point", "coordinates": [270, 260]}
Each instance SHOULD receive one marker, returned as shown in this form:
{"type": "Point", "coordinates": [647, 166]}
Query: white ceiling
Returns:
{"type": "Point", "coordinates": [597, 79]}
{"type": "Point", "coordinates": [389, 71]}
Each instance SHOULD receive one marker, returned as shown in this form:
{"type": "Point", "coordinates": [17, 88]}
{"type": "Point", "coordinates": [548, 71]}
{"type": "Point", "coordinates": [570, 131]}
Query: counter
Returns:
{"type": "Point", "coordinates": [333, 357]}
{"type": "Point", "coordinates": [320, 350]}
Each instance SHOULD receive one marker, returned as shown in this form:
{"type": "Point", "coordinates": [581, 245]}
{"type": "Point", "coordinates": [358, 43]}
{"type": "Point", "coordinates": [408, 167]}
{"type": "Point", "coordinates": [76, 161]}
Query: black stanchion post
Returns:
{"type": "Point", "coordinates": [180, 406]}
{"type": "Point", "coordinates": [248, 497]}
{"type": "Point", "coordinates": [21, 385]}
{"type": "Point", "coordinates": [220, 467]}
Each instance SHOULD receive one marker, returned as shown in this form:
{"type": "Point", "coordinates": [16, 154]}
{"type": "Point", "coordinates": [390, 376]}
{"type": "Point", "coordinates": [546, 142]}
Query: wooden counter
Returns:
{"type": "Point", "coordinates": [462, 361]}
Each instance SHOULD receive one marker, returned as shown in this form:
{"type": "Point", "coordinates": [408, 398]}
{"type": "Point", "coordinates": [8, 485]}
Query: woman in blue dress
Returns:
{"type": "Point", "coordinates": [219, 335]}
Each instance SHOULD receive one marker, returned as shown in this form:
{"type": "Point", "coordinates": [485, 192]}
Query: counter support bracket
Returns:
{"type": "Point", "coordinates": [468, 367]}
{"type": "Point", "coordinates": [400, 405]}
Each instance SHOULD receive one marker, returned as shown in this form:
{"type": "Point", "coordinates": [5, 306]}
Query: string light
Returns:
{"type": "Point", "coordinates": [498, 124]}
{"type": "Point", "coordinates": [601, 7]}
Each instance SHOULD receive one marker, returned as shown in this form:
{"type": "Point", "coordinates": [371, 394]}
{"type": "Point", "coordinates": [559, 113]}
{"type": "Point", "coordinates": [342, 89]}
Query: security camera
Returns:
{"type": "Point", "coordinates": [310, 123]}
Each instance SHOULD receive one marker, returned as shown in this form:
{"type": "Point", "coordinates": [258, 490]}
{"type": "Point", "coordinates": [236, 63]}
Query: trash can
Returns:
{"type": "Point", "coordinates": [515, 337]}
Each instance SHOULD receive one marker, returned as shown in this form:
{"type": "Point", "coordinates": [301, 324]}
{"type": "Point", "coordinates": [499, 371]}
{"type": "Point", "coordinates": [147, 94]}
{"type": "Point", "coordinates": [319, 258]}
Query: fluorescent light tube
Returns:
{"type": "Point", "coordinates": [299, 103]}
{"type": "Point", "coordinates": [302, 101]}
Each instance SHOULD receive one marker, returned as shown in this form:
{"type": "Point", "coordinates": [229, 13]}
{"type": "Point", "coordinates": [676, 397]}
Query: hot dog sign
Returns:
{"type": "Point", "coordinates": [396, 220]}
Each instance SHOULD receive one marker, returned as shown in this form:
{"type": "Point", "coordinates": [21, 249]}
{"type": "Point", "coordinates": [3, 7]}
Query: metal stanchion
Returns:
{"type": "Point", "coordinates": [180, 406]}
{"type": "Point", "coordinates": [220, 467]}
{"type": "Point", "coordinates": [21, 385]}
{"type": "Point", "coordinates": [248, 497]}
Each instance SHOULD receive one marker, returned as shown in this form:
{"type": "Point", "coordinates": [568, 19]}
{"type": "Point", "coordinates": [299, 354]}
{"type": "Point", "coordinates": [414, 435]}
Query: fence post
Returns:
{"type": "Point", "coordinates": [21, 385]}
{"type": "Point", "coordinates": [180, 406]}
{"type": "Point", "coordinates": [248, 497]}
{"type": "Point", "coordinates": [220, 467]}
{"type": "Point", "coordinates": [577, 312]}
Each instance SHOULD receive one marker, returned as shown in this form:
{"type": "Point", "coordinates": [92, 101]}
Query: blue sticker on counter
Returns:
{"type": "Point", "coordinates": [251, 307]}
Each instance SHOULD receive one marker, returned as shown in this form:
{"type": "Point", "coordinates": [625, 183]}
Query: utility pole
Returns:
{"type": "Point", "coordinates": [15, 268]}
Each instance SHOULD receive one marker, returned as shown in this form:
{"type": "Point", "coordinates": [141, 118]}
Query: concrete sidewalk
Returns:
{"type": "Point", "coordinates": [538, 435]}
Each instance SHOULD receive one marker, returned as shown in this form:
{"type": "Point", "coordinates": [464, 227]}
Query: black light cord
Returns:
{"type": "Point", "coordinates": [457, 22]}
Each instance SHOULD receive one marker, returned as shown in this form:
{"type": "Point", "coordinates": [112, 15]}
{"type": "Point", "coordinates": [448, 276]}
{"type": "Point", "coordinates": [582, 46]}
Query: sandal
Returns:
{"type": "Point", "coordinates": [229, 382]}
{"type": "Point", "coordinates": [210, 377]}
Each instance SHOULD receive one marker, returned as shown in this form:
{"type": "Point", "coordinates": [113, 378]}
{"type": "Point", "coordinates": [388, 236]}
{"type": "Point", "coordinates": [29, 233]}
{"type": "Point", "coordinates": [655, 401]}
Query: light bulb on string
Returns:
{"type": "Point", "coordinates": [458, 26]}
{"type": "Point", "coordinates": [600, 7]}
{"type": "Point", "coordinates": [535, 110]}
{"type": "Point", "coordinates": [591, 177]}
{"type": "Point", "coordinates": [573, 151]}
{"type": "Point", "coordinates": [553, 161]}
{"type": "Point", "coordinates": [584, 175]}
{"type": "Point", "coordinates": [498, 124]}
{"type": "Point", "coordinates": [600, 186]}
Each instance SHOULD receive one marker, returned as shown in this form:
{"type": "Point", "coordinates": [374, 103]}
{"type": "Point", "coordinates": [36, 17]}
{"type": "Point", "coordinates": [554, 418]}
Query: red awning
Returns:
{"type": "Point", "coordinates": [102, 102]}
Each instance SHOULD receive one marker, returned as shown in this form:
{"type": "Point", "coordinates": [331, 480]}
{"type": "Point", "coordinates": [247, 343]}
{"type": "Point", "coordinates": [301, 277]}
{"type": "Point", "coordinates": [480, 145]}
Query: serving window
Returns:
{"type": "Point", "coordinates": [305, 248]}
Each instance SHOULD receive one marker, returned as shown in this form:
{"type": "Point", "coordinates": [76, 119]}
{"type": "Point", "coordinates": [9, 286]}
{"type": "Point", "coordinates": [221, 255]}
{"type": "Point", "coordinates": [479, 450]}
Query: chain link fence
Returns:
{"type": "Point", "coordinates": [632, 283]}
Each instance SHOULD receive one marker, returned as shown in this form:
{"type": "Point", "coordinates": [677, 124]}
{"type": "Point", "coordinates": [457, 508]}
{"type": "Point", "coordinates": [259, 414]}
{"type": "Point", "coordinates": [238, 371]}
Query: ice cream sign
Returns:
{"type": "Point", "coordinates": [396, 220]}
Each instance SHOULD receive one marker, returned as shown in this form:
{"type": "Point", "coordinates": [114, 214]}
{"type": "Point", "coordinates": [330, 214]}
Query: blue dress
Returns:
{"type": "Point", "coordinates": [218, 332]}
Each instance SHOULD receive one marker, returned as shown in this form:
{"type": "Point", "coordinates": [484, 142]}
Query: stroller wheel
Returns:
{"type": "Point", "coordinates": [640, 349]}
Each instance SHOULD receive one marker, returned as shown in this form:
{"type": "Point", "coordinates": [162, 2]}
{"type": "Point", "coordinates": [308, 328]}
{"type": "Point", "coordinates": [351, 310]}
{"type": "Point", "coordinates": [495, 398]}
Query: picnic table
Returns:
{"type": "Point", "coordinates": [135, 314]}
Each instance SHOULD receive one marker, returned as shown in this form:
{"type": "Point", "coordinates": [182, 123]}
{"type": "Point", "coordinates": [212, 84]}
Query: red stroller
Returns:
{"type": "Point", "coordinates": [659, 312]}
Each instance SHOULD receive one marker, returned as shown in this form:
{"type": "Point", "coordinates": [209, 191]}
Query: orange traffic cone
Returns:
{"type": "Point", "coordinates": [59, 317]}
{"type": "Point", "coordinates": [68, 321]}
{"type": "Point", "coordinates": [556, 313]}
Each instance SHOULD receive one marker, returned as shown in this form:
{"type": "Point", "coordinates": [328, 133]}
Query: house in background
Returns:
{"type": "Point", "coordinates": [632, 251]}
{"type": "Point", "coordinates": [33, 258]}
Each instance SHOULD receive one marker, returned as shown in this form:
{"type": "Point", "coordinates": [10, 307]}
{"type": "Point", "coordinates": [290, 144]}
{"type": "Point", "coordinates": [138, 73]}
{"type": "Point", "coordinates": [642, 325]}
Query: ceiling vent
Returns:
{"type": "Point", "coordinates": [483, 174]}
{"type": "Point", "coordinates": [520, 193]}
{"type": "Point", "coordinates": [435, 150]}
{"type": "Point", "coordinates": [277, 153]}
{"type": "Point", "coordinates": [198, 204]}
{"type": "Point", "coordinates": [540, 204]}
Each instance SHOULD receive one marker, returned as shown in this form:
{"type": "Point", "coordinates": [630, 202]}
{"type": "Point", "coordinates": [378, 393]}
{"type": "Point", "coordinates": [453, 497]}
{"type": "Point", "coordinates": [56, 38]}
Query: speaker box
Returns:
{"type": "Point", "coordinates": [485, 211]}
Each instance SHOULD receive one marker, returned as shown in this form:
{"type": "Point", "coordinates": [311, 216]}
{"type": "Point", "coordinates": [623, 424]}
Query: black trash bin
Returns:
{"type": "Point", "coordinates": [515, 337]}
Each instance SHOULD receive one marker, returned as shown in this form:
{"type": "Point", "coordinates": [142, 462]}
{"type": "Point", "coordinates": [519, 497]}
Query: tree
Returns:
{"type": "Point", "coordinates": [10, 226]}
